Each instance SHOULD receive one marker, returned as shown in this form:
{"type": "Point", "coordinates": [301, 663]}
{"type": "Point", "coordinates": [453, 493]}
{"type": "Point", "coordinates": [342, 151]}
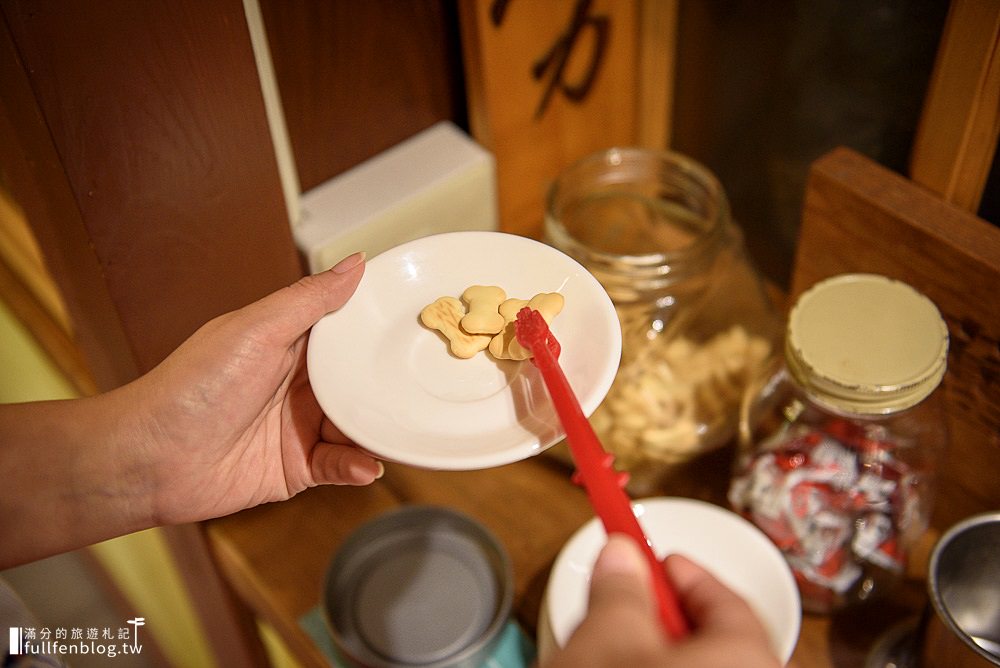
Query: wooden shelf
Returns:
{"type": "Point", "coordinates": [276, 555]}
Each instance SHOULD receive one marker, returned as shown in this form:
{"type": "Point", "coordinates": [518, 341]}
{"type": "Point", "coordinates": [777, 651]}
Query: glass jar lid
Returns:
{"type": "Point", "coordinates": [868, 344]}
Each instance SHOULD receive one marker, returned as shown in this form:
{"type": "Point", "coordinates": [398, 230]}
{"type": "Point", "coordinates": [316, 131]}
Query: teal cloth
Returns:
{"type": "Point", "coordinates": [515, 649]}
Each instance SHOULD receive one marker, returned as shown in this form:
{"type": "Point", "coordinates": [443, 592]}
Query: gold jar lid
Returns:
{"type": "Point", "coordinates": [864, 343]}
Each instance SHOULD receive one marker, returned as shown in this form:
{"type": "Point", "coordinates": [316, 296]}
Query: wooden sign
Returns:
{"type": "Point", "coordinates": [550, 82]}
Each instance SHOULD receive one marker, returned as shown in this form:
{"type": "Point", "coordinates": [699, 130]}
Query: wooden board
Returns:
{"type": "Point", "coordinates": [859, 216]}
{"type": "Point", "coordinates": [34, 178]}
{"type": "Point", "coordinates": [155, 114]}
{"type": "Point", "coordinates": [550, 82]}
{"type": "Point", "coordinates": [957, 136]}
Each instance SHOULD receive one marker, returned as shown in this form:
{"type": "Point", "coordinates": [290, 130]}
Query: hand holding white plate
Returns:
{"type": "Point", "coordinates": [393, 387]}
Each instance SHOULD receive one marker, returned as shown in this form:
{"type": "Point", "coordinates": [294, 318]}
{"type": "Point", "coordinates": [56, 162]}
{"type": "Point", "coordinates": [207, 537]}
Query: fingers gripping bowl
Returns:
{"type": "Point", "coordinates": [728, 546]}
{"type": "Point", "coordinates": [392, 386]}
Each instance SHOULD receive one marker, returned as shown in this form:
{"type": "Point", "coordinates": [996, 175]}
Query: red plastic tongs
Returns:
{"type": "Point", "coordinates": [595, 466]}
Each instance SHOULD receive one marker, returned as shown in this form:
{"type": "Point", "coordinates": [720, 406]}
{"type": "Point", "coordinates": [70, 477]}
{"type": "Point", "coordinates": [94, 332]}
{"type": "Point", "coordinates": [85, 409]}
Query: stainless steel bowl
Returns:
{"type": "Point", "coordinates": [963, 584]}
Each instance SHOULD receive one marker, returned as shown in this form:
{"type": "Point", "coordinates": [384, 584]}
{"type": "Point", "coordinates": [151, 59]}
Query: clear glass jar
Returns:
{"type": "Point", "coordinates": [838, 444]}
{"type": "Point", "coordinates": [654, 227]}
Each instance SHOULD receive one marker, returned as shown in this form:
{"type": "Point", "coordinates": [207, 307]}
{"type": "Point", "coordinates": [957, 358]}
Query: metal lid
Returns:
{"type": "Point", "coordinates": [868, 344]}
{"type": "Point", "coordinates": [419, 586]}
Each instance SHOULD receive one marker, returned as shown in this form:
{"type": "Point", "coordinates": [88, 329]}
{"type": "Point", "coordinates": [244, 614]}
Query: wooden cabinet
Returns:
{"type": "Point", "coordinates": [136, 141]}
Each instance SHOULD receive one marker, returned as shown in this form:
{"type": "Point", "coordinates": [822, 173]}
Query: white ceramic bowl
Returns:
{"type": "Point", "coordinates": [392, 386]}
{"type": "Point", "coordinates": [731, 548]}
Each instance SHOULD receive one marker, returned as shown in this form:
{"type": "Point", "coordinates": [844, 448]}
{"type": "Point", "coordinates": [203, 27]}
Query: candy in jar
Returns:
{"type": "Point", "coordinates": [838, 445]}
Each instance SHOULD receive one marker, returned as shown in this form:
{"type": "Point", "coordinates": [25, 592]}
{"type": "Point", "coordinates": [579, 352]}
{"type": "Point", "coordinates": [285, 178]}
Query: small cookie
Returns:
{"type": "Point", "coordinates": [500, 344]}
{"type": "Point", "coordinates": [505, 345]}
{"type": "Point", "coordinates": [483, 302]}
{"type": "Point", "coordinates": [444, 315]}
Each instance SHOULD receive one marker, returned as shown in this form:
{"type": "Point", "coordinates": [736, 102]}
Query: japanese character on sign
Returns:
{"type": "Point", "coordinates": [552, 64]}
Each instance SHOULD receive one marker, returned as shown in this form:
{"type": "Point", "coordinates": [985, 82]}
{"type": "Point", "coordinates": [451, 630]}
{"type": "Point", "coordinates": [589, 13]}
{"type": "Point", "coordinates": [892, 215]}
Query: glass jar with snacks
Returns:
{"type": "Point", "coordinates": [654, 227]}
{"type": "Point", "coordinates": [838, 445]}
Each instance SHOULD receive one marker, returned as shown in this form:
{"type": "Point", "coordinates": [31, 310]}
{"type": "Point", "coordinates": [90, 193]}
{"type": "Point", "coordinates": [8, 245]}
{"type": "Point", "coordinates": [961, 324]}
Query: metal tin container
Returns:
{"type": "Point", "coordinates": [419, 586]}
{"type": "Point", "coordinates": [963, 583]}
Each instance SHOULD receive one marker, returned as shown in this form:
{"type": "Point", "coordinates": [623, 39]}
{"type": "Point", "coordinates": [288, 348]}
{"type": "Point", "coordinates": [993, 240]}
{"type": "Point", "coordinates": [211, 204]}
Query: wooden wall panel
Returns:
{"type": "Point", "coordinates": [155, 112]}
{"type": "Point", "coordinates": [358, 77]}
{"type": "Point", "coordinates": [143, 161]}
{"type": "Point", "coordinates": [33, 176]}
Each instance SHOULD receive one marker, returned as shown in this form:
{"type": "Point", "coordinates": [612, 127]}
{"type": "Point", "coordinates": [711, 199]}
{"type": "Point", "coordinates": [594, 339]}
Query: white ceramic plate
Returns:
{"type": "Point", "coordinates": [733, 549]}
{"type": "Point", "coordinates": [393, 387]}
